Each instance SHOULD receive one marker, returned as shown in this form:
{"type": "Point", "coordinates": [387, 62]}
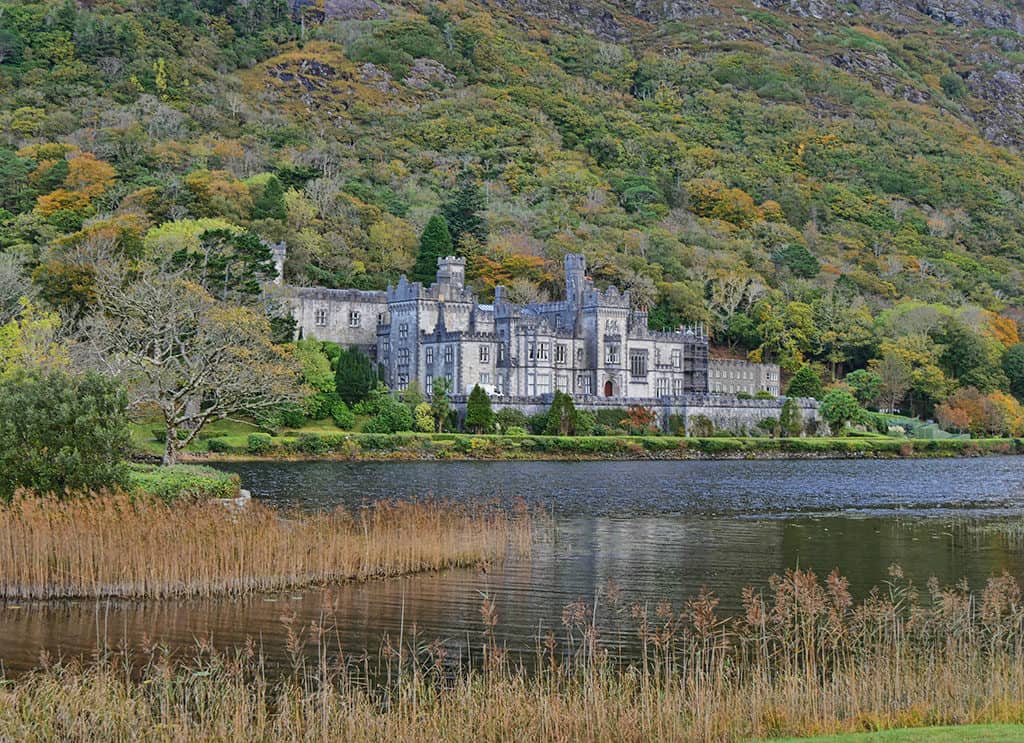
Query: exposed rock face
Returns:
{"type": "Point", "coordinates": [350, 10]}
{"type": "Point", "coordinates": [426, 72]}
{"type": "Point", "coordinates": [375, 77]}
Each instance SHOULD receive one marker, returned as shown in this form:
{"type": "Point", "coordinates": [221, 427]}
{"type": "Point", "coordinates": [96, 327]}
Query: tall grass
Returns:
{"type": "Point", "coordinates": [802, 659]}
{"type": "Point", "coordinates": [121, 546]}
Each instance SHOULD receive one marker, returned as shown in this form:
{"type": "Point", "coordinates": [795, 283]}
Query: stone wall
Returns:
{"type": "Point", "coordinates": [724, 411]}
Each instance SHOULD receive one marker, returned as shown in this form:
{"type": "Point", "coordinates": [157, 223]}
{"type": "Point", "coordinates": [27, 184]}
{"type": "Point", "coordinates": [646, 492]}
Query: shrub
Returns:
{"type": "Point", "coordinates": [510, 418]}
{"type": "Point", "coordinates": [515, 431]}
{"type": "Point", "coordinates": [182, 481]}
{"type": "Point", "coordinates": [537, 423]}
{"type": "Point", "coordinates": [561, 417]}
{"type": "Point", "coordinates": [423, 418]}
{"type": "Point", "coordinates": [790, 418]}
{"type": "Point", "coordinates": [700, 426]}
{"type": "Point", "coordinates": [259, 443]}
{"type": "Point", "coordinates": [355, 377]}
{"type": "Point", "coordinates": [311, 443]}
{"type": "Point", "coordinates": [61, 433]}
{"type": "Point", "coordinates": [343, 417]}
{"type": "Point", "coordinates": [392, 418]}
{"type": "Point", "coordinates": [219, 445]}
{"type": "Point", "coordinates": [838, 408]}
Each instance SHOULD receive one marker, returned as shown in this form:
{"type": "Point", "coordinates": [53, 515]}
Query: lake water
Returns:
{"type": "Point", "coordinates": [657, 530]}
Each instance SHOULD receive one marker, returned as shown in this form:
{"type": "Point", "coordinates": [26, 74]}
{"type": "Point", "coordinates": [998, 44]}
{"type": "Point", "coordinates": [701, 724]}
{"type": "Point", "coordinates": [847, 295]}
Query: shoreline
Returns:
{"type": "Point", "coordinates": [352, 447]}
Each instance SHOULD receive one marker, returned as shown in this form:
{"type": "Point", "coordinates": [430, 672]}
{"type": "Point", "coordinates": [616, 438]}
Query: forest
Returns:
{"type": "Point", "coordinates": [837, 194]}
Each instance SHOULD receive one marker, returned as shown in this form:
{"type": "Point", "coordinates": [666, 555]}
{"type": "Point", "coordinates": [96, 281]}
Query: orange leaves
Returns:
{"type": "Point", "coordinates": [84, 178]}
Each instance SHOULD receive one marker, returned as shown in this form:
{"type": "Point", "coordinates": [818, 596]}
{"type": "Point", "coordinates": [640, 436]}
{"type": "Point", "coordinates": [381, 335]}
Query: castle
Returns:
{"type": "Point", "coordinates": [592, 344]}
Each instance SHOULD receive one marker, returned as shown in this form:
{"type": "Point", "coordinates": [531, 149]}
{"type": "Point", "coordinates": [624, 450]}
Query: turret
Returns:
{"type": "Point", "coordinates": [575, 275]}
{"type": "Point", "coordinates": [451, 276]}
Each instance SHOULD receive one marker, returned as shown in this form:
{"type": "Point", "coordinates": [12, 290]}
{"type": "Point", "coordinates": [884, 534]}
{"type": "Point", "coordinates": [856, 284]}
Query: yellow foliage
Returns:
{"type": "Point", "coordinates": [30, 342]}
{"type": "Point", "coordinates": [89, 175]}
{"type": "Point", "coordinates": [60, 199]}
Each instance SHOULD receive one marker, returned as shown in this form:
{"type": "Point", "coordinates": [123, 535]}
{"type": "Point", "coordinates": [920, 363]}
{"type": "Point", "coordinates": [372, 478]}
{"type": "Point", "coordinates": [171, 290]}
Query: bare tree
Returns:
{"type": "Point", "coordinates": [14, 286]}
{"type": "Point", "coordinates": [181, 352]}
{"type": "Point", "coordinates": [896, 380]}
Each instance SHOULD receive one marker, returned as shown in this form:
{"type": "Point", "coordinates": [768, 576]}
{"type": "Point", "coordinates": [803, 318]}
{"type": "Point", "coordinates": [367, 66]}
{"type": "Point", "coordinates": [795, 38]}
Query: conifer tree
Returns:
{"type": "Point", "coordinates": [805, 383]}
{"type": "Point", "coordinates": [355, 376]}
{"type": "Point", "coordinates": [436, 242]}
{"type": "Point", "coordinates": [463, 212]}
{"type": "Point", "coordinates": [561, 416]}
{"type": "Point", "coordinates": [269, 204]}
{"type": "Point", "coordinates": [479, 416]}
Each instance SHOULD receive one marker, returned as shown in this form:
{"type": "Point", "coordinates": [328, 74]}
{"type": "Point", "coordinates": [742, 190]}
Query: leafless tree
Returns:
{"type": "Point", "coordinates": [186, 355]}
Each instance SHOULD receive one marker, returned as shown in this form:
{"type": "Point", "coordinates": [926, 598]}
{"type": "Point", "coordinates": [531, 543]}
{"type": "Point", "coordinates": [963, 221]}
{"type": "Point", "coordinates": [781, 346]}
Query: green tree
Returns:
{"type": "Point", "coordinates": [463, 212]}
{"type": "Point", "coordinates": [838, 408]}
{"type": "Point", "coordinates": [479, 416]}
{"type": "Point", "coordinates": [393, 417]}
{"type": "Point", "coordinates": [439, 403]}
{"type": "Point", "coordinates": [436, 242]}
{"type": "Point", "coordinates": [61, 433]}
{"type": "Point", "coordinates": [805, 383]}
{"type": "Point", "coordinates": [561, 420]}
{"type": "Point", "coordinates": [423, 418]}
{"type": "Point", "coordinates": [798, 259]}
{"type": "Point", "coordinates": [1013, 368]}
{"type": "Point", "coordinates": [269, 203]}
{"type": "Point", "coordinates": [791, 420]}
{"type": "Point", "coordinates": [866, 386]}
{"type": "Point", "coordinates": [355, 377]}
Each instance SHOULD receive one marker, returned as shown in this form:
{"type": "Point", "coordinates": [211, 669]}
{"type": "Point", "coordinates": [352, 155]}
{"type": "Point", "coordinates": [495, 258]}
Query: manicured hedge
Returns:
{"type": "Point", "coordinates": [445, 445]}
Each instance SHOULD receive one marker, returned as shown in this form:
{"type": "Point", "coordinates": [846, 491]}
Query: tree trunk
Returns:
{"type": "Point", "coordinates": [171, 446]}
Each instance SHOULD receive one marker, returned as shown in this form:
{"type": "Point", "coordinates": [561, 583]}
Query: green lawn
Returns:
{"type": "Point", "coordinates": [980, 733]}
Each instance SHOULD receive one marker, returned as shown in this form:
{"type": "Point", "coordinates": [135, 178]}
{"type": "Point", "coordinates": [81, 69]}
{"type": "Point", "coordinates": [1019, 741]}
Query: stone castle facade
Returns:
{"type": "Point", "coordinates": [592, 344]}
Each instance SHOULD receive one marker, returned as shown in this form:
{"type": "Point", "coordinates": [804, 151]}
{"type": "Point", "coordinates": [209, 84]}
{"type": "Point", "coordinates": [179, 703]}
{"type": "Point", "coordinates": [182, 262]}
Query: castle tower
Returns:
{"type": "Point", "coordinates": [279, 251]}
{"type": "Point", "coordinates": [575, 276]}
{"type": "Point", "coordinates": [451, 276]}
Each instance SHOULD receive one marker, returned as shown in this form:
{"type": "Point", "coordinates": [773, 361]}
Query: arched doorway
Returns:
{"type": "Point", "coordinates": [609, 388]}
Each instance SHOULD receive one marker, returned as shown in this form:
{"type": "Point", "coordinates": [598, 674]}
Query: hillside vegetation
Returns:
{"type": "Point", "coordinates": [834, 184]}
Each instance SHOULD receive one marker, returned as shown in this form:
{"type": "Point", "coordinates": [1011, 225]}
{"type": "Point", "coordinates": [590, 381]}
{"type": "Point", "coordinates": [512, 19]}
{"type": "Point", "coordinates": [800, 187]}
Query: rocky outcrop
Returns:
{"type": "Point", "coordinates": [427, 72]}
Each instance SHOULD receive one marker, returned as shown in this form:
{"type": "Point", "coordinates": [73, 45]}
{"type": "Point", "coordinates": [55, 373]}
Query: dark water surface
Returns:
{"type": "Point", "coordinates": [657, 530]}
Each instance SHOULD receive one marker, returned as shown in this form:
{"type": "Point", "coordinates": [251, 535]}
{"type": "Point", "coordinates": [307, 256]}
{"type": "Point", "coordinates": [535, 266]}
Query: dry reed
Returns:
{"type": "Point", "coordinates": [802, 660]}
{"type": "Point", "coordinates": [134, 548]}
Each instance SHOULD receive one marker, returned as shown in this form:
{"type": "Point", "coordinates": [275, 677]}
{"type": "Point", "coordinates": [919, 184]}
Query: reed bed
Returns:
{"type": "Point", "coordinates": [120, 546]}
{"type": "Point", "coordinates": [802, 660]}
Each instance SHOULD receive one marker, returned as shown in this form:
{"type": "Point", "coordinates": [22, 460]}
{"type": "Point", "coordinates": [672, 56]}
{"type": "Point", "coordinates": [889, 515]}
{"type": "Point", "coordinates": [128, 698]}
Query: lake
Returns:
{"type": "Point", "coordinates": [655, 530]}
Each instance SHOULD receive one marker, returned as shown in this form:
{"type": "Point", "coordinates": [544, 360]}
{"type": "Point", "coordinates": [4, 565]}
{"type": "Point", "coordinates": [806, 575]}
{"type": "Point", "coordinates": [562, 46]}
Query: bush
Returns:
{"type": "Point", "coordinates": [61, 433]}
{"type": "Point", "coordinates": [259, 443]}
{"type": "Point", "coordinates": [510, 418]}
{"type": "Point", "coordinates": [343, 417]}
{"type": "Point", "coordinates": [218, 445]}
{"type": "Point", "coordinates": [187, 481]}
{"type": "Point", "coordinates": [311, 443]}
{"type": "Point", "coordinates": [536, 423]}
{"type": "Point", "coordinates": [515, 431]}
{"type": "Point", "coordinates": [700, 426]}
{"type": "Point", "coordinates": [392, 418]}
{"type": "Point", "coordinates": [805, 383]}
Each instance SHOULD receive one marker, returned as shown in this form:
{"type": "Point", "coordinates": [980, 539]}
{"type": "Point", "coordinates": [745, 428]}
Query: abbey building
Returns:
{"type": "Point", "coordinates": [591, 344]}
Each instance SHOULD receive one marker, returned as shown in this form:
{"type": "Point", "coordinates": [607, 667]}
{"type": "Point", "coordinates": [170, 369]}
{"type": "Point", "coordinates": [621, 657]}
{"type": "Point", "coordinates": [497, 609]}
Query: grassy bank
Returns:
{"type": "Point", "coordinates": [363, 446]}
{"type": "Point", "coordinates": [802, 660]}
{"type": "Point", "coordinates": [134, 547]}
{"type": "Point", "coordinates": [182, 482]}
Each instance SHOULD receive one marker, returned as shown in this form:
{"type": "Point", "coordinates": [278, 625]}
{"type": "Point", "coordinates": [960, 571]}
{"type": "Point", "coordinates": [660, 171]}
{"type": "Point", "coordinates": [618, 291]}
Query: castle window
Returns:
{"type": "Point", "coordinates": [583, 384]}
{"type": "Point", "coordinates": [449, 354]}
{"type": "Point", "coordinates": [428, 382]}
{"type": "Point", "coordinates": [542, 352]}
{"type": "Point", "coordinates": [501, 352]}
{"type": "Point", "coordinates": [485, 378]}
{"type": "Point", "coordinates": [403, 330]}
{"type": "Point", "coordinates": [611, 353]}
{"type": "Point", "coordinates": [677, 358]}
{"type": "Point", "coordinates": [677, 387]}
{"type": "Point", "coordinates": [403, 355]}
{"type": "Point", "coordinates": [662, 387]}
{"type": "Point", "coordinates": [611, 327]}
{"type": "Point", "coordinates": [430, 356]}
{"type": "Point", "coordinates": [531, 351]}
{"type": "Point", "coordinates": [485, 354]}
{"type": "Point", "coordinates": [380, 318]}
{"type": "Point", "coordinates": [560, 353]}
{"type": "Point", "coordinates": [320, 318]}
{"type": "Point", "coordinates": [579, 355]}
{"type": "Point", "coordinates": [638, 364]}
{"type": "Point", "coordinates": [354, 319]}
{"type": "Point", "coordinates": [403, 380]}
